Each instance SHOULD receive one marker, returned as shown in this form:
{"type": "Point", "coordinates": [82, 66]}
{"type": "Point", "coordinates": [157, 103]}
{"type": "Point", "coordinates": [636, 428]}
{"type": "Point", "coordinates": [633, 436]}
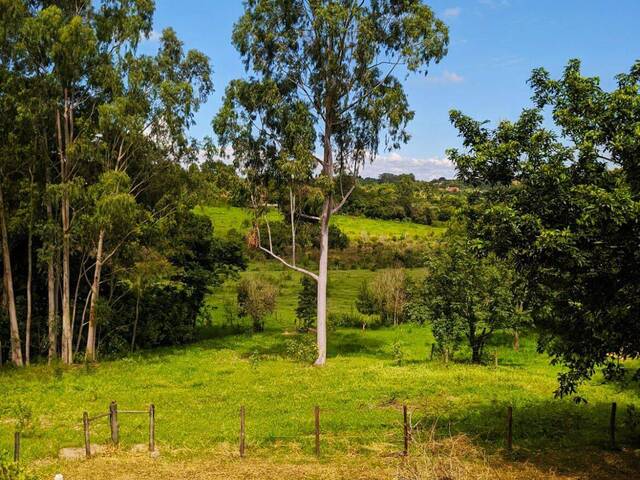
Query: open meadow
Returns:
{"type": "Point", "coordinates": [457, 409]}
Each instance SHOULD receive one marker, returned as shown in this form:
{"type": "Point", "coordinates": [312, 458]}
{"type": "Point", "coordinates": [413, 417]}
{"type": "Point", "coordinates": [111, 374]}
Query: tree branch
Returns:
{"type": "Point", "coordinates": [344, 199]}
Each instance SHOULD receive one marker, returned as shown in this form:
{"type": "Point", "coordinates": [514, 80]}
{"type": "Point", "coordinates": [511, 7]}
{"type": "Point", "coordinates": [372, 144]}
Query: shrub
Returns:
{"type": "Point", "coordinates": [307, 308]}
{"type": "Point", "coordinates": [9, 470]}
{"type": "Point", "coordinates": [302, 349]}
{"type": "Point", "coordinates": [397, 352]}
{"type": "Point", "coordinates": [256, 299]}
{"type": "Point", "coordinates": [385, 296]}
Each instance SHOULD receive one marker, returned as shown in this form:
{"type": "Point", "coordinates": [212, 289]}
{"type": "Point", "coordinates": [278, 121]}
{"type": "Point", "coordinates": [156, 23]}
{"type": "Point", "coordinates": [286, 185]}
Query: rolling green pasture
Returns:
{"type": "Point", "coordinates": [225, 218]}
{"type": "Point", "coordinates": [197, 390]}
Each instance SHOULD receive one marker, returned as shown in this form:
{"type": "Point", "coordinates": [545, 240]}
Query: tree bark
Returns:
{"type": "Point", "coordinates": [16, 349]}
{"type": "Point", "coordinates": [323, 265]}
{"type": "Point", "coordinates": [51, 290]}
{"type": "Point", "coordinates": [323, 273]}
{"type": "Point", "coordinates": [476, 354]}
{"type": "Point", "coordinates": [90, 353]}
{"type": "Point", "coordinates": [27, 333]}
{"type": "Point", "coordinates": [67, 347]}
{"type": "Point", "coordinates": [135, 323]}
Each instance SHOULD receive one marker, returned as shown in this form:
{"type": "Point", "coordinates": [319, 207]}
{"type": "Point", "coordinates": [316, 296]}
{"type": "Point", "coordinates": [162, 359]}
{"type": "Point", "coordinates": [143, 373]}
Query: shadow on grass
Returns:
{"type": "Point", "coordinates": [554, 435]}
{"type": "Point", "coordinates": [355, 343]}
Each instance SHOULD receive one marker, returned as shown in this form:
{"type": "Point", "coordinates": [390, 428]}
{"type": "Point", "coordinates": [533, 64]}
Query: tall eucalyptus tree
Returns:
{"type": "Point", "coordinates": [322, 74]}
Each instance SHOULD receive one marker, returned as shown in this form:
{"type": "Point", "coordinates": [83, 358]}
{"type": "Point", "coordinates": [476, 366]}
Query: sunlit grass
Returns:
{"type": "Point", "coordinates": [225, 218]}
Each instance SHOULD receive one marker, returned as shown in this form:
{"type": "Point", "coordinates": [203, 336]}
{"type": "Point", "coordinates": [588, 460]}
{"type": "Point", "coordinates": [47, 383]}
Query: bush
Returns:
{"type": "Point", "coordinates": [352, 320]}
{"type": "Point", "coordinates": [302, 349]}
{"type": "Point", "coordinates": [397, 352]}
{"type": "Point", "coordinates": [306, 311]}
{"type": "Point", "coordinates": [9, 470]}
{"type": "Point", "coordinates": [256, 299]}
{"type": "Point", "coordinates": [385, 296]}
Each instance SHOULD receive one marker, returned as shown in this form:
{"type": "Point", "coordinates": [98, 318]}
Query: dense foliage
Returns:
{"type": "Point", "coordinates": [466, 297]}
{"type": "Point", "coordinates": [100, 249]}
{"type": "Point", "coordinates": [306, 310]}
{"type": "Point", "coordinates": [402, 197]}
{"type": "Point", "coordinates": [321, 75]}
{"type": "Point", "coordinates": [256, 299]}
{"type": "Point", "coordinates": [564, 206]}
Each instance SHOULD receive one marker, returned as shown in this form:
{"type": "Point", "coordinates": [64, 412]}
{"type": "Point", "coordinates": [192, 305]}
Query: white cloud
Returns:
{"type": "Point", "coordinates": [446, 77]}
{"type": "Point", "coordinates": [154, 37]}
{"type": "Point", "coordinates": [423, 168]}
{"type": "Point", "coordinates": [452, 12]}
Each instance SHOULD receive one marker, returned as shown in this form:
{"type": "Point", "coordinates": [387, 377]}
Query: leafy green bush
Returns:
{"type": "Point", "coordinates": [302, 349]}
{"type": "Point", "coordinates": [307, 308]}
{"type": "Point", "coordinates": [9, 470]}
{"type": "Point", "coordinates": [256, 299]}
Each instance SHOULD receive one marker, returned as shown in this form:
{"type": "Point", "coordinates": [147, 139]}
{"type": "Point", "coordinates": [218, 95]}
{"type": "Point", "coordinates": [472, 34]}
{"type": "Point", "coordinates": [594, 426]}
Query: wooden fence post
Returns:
{"type": "Point", "coordinates": [16, 446]}
{"type": "Point", "coordinates": [612, 426]}
{"type": "Point", "coordinates": [113, 423]}
{"type": "Point", "coordinates": [495, 359]}
{"type": "Point", "coordinates": [87, 440]}
{"type": "Point", "coordinates": [406, 430]}
{"type": "Point", "coordinates": [152, 428]}
{"type": "Point", "coordinates": [317, 419]}
{"type": "Point", "coordinates": [509, 428]}
{"type": "Point", "coordinates": [433, 347]}
{"type": "Point", "coordinates": [242, 431]}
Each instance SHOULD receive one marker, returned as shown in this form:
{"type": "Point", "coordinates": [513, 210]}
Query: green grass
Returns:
{"type": "Point", "coordinates": [361, 227]}
{"type": "Point", "coordinates": [198, 389]}
{"type": "Point", "coordinates": [225, 218]}
{"type": "Point", "coordinates": [342, 290]}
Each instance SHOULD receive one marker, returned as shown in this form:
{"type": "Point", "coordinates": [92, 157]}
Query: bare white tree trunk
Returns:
{"type": "Point", "coordinates": [90, 353]}
{"type": "Point", "coordinates": [63, 144]}
{"type": "Point", "coordinates": [323, 275]}
{"type": "Point", "coordinates": [27, 333]}
{"type": "Point", "coordinates": [51, 291]}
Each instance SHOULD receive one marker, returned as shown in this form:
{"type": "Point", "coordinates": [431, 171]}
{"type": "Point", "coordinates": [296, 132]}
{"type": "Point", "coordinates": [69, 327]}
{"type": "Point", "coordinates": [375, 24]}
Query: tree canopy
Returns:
{"type": "Point", "coordinates": [321, 74]}
{"type": "Point", "coordinates": [563, 204]}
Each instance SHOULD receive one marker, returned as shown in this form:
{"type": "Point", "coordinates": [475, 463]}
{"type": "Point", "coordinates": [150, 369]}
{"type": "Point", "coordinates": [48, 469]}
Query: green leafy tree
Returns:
{"type": "Point", "coordinates": [324, 74]}
{"type": "Point", "coordinates": [306, 309]}
{"type": "Point", "coordinates": [466, 297]}
{"type": "Point", "coordinates": [386, 295]}
{"type": "Point", "coordinates": [564, 206]}
{"type": "Point", "coordinates": [152, 270]}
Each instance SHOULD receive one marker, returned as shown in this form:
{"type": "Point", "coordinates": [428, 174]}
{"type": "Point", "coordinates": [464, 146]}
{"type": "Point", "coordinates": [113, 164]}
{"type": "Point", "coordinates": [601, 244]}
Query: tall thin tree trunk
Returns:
{"type": "Point", "coordinates": [323, 273]}
{"type": "Point", "coordinates": [90, 353]}
{"type": "Point", "coordinates": [516, 340]}
{"type": "Point", "coordinates": [292, 207]}
{"type": "Point", "coordinates": [16, 348]}
{"type": "Point", "coordinates": [323, 266]}
{"type": "Point", "coordinates": [82, 322]}
{"type": "Point", "coordinates": [51, 289]}
{"type": "Point", "coordinates": [135, 323]}
{"type": "Point", "coordinates": [67, 334]}
{"type": "Point", "coordinates": [27, 333]}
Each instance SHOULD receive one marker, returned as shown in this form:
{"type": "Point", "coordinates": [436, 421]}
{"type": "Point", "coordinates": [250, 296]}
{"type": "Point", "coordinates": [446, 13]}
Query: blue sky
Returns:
{"type": "Point", "coordinates": [494, 45]}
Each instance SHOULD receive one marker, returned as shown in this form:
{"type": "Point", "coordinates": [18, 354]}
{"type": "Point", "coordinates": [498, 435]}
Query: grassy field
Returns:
{"type": "Point", "coordinates": [198, 389]}
{"type": "Point", "coordinates": [225, 218]}
{"type": "Point", "coordinates": [458, 409]}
